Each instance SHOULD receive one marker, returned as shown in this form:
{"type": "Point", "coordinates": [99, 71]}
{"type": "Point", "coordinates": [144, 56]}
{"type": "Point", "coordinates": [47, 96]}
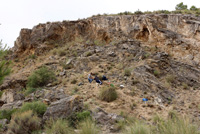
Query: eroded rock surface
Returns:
{"type": "Point", "coordinates": [64, 108]}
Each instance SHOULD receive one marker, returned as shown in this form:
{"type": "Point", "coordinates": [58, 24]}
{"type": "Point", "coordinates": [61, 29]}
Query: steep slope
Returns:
{"type": "Point", "coordinates": [160, 52]}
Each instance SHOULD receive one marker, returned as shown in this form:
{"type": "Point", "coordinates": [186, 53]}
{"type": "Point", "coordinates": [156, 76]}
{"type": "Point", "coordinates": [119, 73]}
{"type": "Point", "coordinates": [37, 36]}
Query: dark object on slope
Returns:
{"type": "Point", "coordinates": [104, 77]}
{"type": "Point", "coordinates": [98, 80]}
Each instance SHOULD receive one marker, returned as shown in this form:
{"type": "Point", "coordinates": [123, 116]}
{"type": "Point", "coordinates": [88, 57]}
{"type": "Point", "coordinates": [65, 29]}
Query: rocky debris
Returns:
{"type": "Point", "coordinates": [63, 73]}
{"type": "Point", "coordinates": [10, 96]}
{"type": "Point", "coordinates": [49, 96]}
{"type": "Point", "coordinates": [64, 108]}
{"type": "Point", "coordinates": [54, 95]}
{"type": "Point", "coordinates": [3, 123]}
{"type": "Point", "coordinates": [13, 105]}
{"type": "Point", "coordinates": [16, 81]}
{"type": "Point", "coordinates": [106, 119]}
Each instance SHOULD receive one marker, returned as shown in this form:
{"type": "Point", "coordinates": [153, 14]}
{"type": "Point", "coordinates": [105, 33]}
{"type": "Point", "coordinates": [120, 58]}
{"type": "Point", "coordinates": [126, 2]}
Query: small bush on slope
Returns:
{"type": "Point", "coordinates": [40, 77]}
{"type": "Point", "coordinates": [24, 123]}
{"type": "Point", "coordinates": [37, 107]}
{"type": "Point", "coordinates": [58, 127]}
{"type": "Point", "coordinates": [108, 94]}
{"type": "Point", "coordinates": [6, 114]}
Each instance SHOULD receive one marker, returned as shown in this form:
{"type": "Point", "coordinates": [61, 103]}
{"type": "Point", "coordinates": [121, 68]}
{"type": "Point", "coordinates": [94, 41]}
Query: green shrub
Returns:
{"type": "Point", "coordinates": [83, 115]}
{"type": "Point", "coordinates": [138, 12]}
{"type": "Point", "coordinates": [77, 117]}
{"type": "Point", "coordinates": [88, 127]}
{"type": "Point", "coordinates": [24, 123]}
{"type": "Point", "coordinates": [37, 107]}
{"type": "Point", "coordinates": [59, 126]}
{"type": "Point", "coordinates": [30, 90]}
{"type": "Point", "coordinates": [125, 13]}
{"type": "Point", "coordinates": [6, 114]}
{"type": "Point", "coordinates": [156, 72]}
{"type": "Point", "coordinates": [108, 94]}
{"type": "Point", "coordinates": [33, 56]}
{"type": "Point", "coordinates": [181, 6]}
{"type": "Point", "coordinates": [40, 77]}
{"type": "Point", "coordinates": [127, 72]}
{"type": "Point", "coordinates": [193, 8]}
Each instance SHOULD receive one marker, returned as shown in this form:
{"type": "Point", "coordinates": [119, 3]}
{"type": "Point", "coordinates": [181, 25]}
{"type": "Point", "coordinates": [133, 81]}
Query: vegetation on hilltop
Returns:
{"type": "Point", "coordinates": [180, 8]}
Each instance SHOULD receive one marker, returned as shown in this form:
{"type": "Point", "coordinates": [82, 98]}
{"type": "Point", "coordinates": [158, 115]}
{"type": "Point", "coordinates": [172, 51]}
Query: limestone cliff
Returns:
{"type": "Point", "coordinates": [177, 34]}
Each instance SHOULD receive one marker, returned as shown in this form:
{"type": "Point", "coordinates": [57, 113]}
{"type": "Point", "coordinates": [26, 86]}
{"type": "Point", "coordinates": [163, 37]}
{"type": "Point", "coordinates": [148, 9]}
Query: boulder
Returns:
{"type": "Point", "coordinates": [3, 123]}
{"type": "Point", "coordinates": [54, 95]}
{"type": "Point", "coordinates": [13, 105]}
{"type": "Point", "coordinates": [63, 108]}
{"type": "Point", "coordinates": [10, 96]}
{"type": "Point", "coordinates": [103, 118]}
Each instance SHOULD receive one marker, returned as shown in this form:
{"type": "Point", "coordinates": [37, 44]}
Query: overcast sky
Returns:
{"type": "Point", "coordinates": [17, 14]}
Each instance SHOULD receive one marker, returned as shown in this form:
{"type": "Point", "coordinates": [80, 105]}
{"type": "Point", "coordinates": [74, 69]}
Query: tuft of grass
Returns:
{"type": "Point", "coordinates": [185, 86]}
{"type": "Point", "coordinates": [1, 93]}
{"type": "Point", "coordinates": [88, 54]}
{"type": "Point", "coordinates": [74, 90]}
{"type": "Point", "coordinates": [33, 56]}
{"type": "Point", "coordinates": [40, 77]}
{"type": "Point", "coordinates": [61, 52]}
{"type": "Point", "coordinates": [170, 78]}
{"type": "Point", "coordinates": [59, 126]}
{"type": "Point", "coordinates": [108, 94]}
{"type": "Point", "coordinates": [77, 117]}
{"type": "Point", "coordinates": [74, 81]}
{"type": "Point", "coordinates": [99, 42]}
{"type": "Point", "coordinates": [127, 72]}
{"type": "Point", "coordinates": [177, 125]}
{"type": "Point", "coordinates": [156, 73]}
{"type": "Point", "coordinates": [138, 128]}
{"type": "Point", "coordinates": [37, 107]}
{"type": "Point", "coordinates": [24, 123]}
{"type": "Point", "coordinates": [88, 127]}
{"type": "Point", "coordinates": [30, 90]}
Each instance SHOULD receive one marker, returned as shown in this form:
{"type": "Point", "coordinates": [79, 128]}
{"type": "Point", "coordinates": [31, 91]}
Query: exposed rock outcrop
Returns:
{"type": "Point", "coordinates": [64, 108]}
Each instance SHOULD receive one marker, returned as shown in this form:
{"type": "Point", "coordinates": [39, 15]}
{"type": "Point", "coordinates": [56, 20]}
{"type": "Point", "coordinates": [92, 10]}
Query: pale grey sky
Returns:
{"type": "Point", "coordinates": [17, 14]}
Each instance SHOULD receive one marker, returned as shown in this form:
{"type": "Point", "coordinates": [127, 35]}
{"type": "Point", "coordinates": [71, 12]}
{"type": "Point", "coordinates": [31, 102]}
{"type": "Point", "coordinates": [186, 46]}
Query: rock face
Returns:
{"type": "Point", "coordinates": [174, 32]}
{"type": "Point", "coordinates": [63, 108]}
{"type": "Point", "coordinates": [10, 96]}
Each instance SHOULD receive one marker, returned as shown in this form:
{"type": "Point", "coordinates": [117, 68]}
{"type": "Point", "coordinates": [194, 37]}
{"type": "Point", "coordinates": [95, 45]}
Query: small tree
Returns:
{"type": "Point", "coordinates": [193, 8]}
{"type": "Point", "coordinates": [181, 6]}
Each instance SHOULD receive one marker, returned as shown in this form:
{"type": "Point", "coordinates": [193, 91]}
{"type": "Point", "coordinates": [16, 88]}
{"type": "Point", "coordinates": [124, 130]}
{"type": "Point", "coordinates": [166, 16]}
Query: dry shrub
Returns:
{"type": "Point", "coordinates": [108, 94]}
{"type": "Point", "coordinates": [24, 123]}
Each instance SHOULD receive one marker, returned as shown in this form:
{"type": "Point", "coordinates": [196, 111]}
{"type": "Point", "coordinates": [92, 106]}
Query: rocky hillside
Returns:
{"type": "Point", "coordinates": [144, 56]}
